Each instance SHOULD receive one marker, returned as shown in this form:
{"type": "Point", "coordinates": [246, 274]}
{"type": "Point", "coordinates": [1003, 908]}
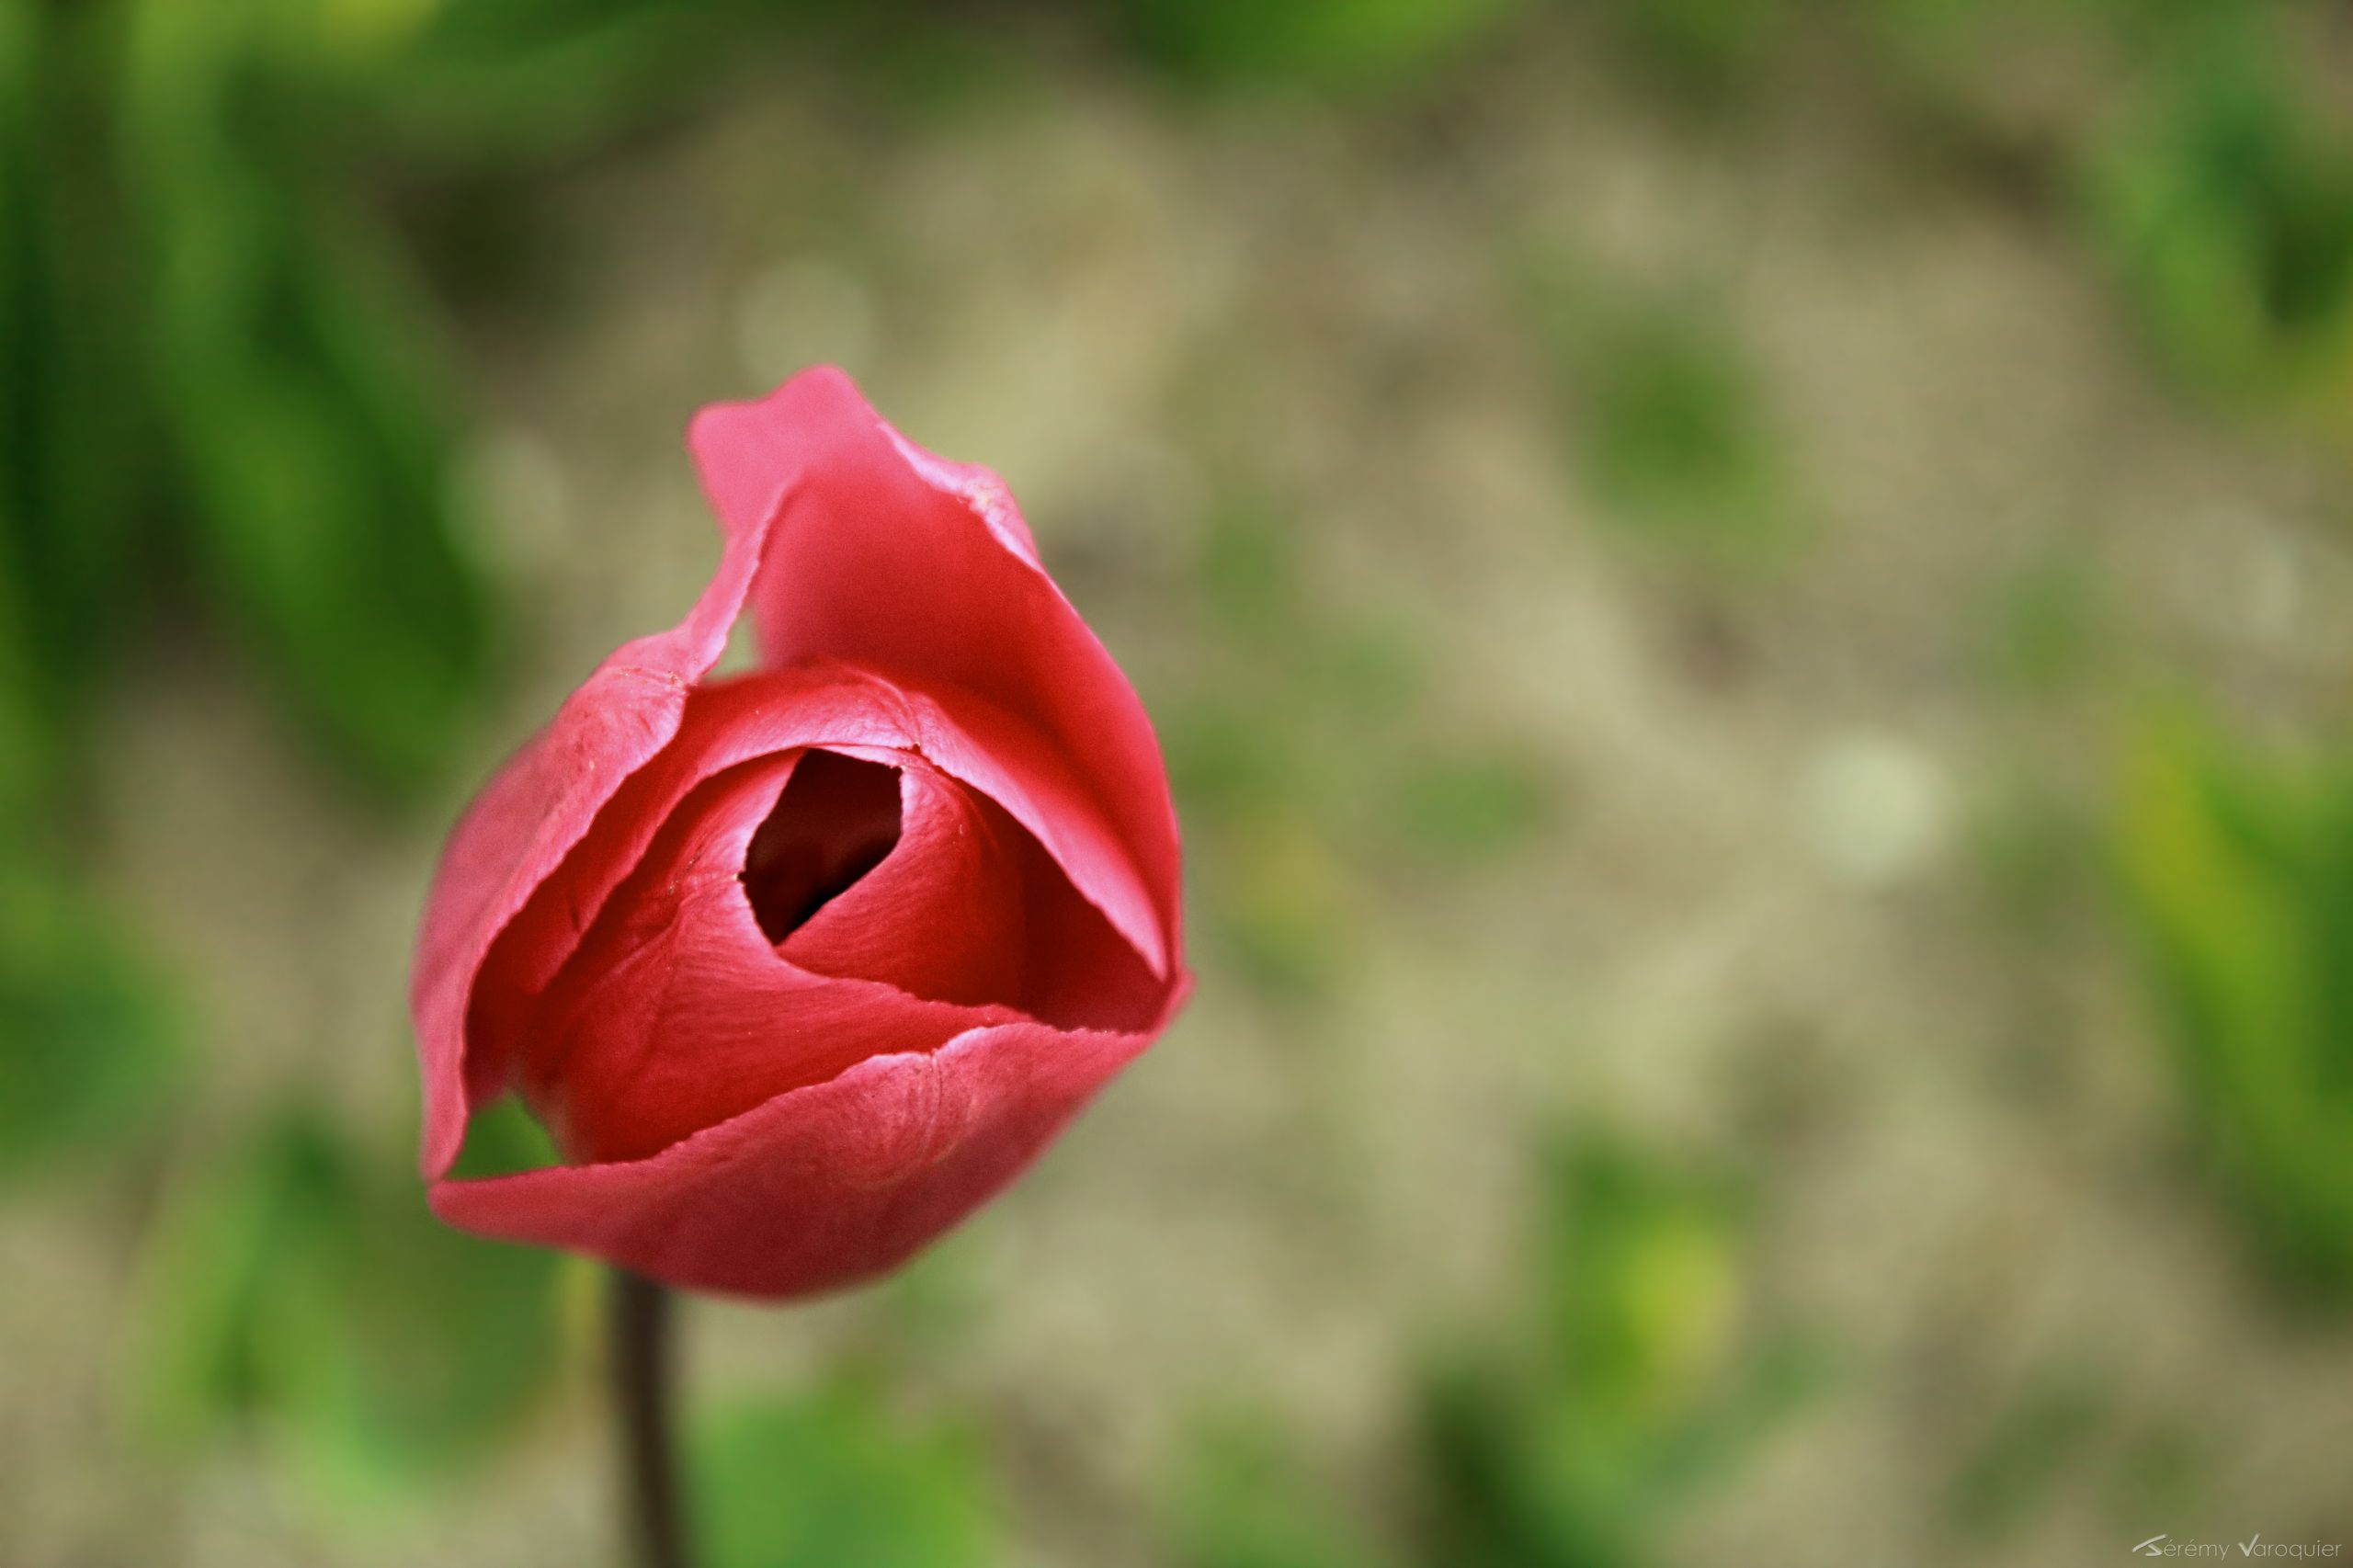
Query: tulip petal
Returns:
{"type": "Point", "coordinates": [675, 1012]}
{"type": "Point", "coordinates": [724, 725]}
{"type": "Point", "coordinates": [539, 805]}
{"type": "Point", "coordinates": [1087, 975]}
{"type": "Point", "coordinates": [971, 908]}
{"type": "Point", "coordinates": [921, 569]}
{"type": "Point", "coordinates": [943, 914]}
{"type": "Point", "coordinates": [1077, 972]}
{"type": "Point", "coordinates": [822, 1186]}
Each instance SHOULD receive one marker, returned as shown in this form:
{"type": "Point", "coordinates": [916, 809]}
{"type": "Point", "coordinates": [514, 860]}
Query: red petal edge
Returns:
{"type": "Point", "coordinates": [538, 806]}
{"type": "Point", "coordinates": [823, 1187]}
{"type": "Point", "coordinates": [922, 570]}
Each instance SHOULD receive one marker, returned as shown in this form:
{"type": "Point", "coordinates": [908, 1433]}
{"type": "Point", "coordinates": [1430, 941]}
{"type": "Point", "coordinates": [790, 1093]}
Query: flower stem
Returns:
{"type": "Point", "coordinates": [641, 1391]}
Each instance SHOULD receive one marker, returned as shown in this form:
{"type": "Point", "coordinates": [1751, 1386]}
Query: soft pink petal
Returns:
{"type": "Point", "coordinates": [820, 1188]}
{"type": "Point", "coordinates": [539, 805]}
{"type": "Point", "coordinates": [922, 571]}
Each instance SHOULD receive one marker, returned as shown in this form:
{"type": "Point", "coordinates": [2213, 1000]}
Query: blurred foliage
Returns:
{"type": "Point", "coordinates": [2046, 626]}
{"type": "Point", "coordinates": [215, 376]}
{"type": "Point", "coordinates": [472, 84]}
{"type": "Point", "coordinates": [2237, 874]}
{"type": "Point", "coordinates": [87, 1037]}
{"type": "Point", "coordinates": [306, 429]}
{"type": "Point", "coordinates": [1667, 415]}
{"type": "Point", "coordinates": [92, 1041]}
{"type": "Point", "coordinates": [301, 1292]}
{"type": "Point", "coordinates": [1307, 764]}
{"type": "Point", "coordinates": [1474, 808]}
{"type": "Point", "coordinates": [2027, 1458]}
{"type": "Point", "coordinates": [71, 459]}
{"type": "Point", "coordinates": [840, 1476]}
{"type": "Point", "coordinates": [2206, 159]}
{"type": "Point", "coordinates": [2039, 861]}
{"type": "Point", "coordinates": [502, 1138]}
{"type": "Point", "coordinates": [1639, 1368]}
{"type": "Point", "coordinates": [1705, 50]}
{"type": "Point", "coordinates": [2165, 1472]}
{"type": "Point", "coordinates": [2070, 1433]}
{"type": "Point", "coordinates": [1324, 43]}
{"type": "Point", "coordinates": [1243, 1500]}
{"type": "Point", "coordinates": [1645, 1368]}
{"type": "Point", "coordinates": [2224, 200]}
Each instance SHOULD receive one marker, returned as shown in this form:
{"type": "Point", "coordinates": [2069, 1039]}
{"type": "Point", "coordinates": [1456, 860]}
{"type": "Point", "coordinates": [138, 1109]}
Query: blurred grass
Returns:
{"type": "Point", "coordinates": [2237, 875]}
{"type": "Point", "coordinates": [1637, 1368]}
{"type": "Point", "coordinates": [2046, 626]}
{"type": "Point", "coordinates": [2028, 1457]}
{"type": "Point", "coordinates": [1301, 756]}
{"type": "Point", "coordinates": [94, 1040]}
{"type": "Point", "coordinates": [2198, 150]}
{"type": "Point", "coordinates": [299, 1293]}
{"type": "Point", "coordinates": [1244, 1498]}
{"type": "Point", "coordinates": [837, 1475]}
{"type": "Point", "coordinates": [1705, 50]}
{"type": "Point", "coordinates": [1356, 45]}
{"type": "Point", "coordinates": [2224, 200]}
{"type": "Point", "coordinates": [1646, 1368]}
{"type": "Point", "coordinates": [1666, 417]}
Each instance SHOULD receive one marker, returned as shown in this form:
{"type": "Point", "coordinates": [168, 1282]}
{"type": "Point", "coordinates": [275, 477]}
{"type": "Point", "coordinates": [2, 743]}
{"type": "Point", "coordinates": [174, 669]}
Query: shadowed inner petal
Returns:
{"type": "Point", "coordinates": [969, 908]}
{"type": "Point", "coordinates": [836, 819]}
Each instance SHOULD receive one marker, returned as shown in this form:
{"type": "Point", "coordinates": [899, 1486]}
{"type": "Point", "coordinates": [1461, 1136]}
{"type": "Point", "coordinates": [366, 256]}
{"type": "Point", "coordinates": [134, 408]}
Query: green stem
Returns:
{"type": "Point", "coordinates": [643, 1382]}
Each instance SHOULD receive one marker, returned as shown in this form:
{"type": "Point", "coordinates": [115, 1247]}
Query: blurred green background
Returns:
{"type": "Point", "coordinates": [1748, 603]}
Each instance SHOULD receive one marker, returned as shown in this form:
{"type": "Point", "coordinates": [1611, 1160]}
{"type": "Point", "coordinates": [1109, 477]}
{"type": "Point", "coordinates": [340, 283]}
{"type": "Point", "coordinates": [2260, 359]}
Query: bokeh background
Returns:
{"type": "Point", "coordinates": [1748, 601]}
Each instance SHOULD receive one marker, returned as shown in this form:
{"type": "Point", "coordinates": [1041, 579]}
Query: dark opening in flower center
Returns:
{"type": "Point", "coordinates": [836, 819]}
